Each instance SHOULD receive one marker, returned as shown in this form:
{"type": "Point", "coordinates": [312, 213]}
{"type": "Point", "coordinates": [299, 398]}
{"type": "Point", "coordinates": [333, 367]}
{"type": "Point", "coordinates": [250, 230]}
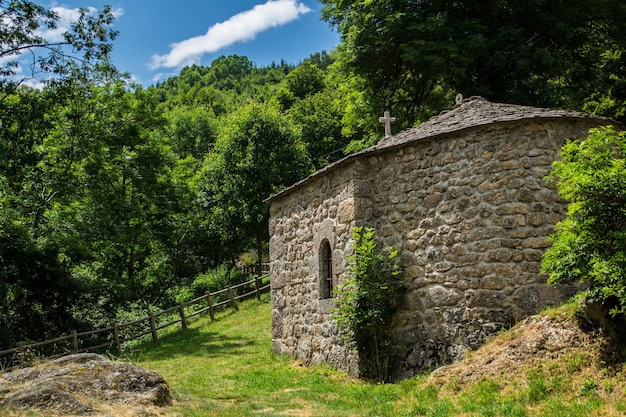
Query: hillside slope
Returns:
{"type": "Point", "coordinates": [547, 354]}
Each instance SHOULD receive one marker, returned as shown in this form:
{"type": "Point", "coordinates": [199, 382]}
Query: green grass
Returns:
{"type": "Point", "coordinates": [225, 368]}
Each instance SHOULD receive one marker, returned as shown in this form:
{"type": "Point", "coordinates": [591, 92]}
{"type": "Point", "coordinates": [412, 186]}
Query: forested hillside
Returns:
{"type": "Point", "coordinates": [117, 198]}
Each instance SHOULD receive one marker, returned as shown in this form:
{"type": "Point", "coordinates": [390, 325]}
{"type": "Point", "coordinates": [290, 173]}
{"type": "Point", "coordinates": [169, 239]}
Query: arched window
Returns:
{"type": "Point", "coordinates": [326, 270]}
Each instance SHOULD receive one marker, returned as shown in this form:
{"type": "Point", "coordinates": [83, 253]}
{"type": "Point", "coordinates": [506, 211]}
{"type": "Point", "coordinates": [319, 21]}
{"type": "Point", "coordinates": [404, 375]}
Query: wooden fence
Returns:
{"type": "Point", "coordinates": [116, 334]}
{"type": "Point", "coordinates": [252, 269]}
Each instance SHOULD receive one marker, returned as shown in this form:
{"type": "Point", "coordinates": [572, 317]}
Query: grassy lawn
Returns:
{"type": "Point", "coordinates": [225, 368]}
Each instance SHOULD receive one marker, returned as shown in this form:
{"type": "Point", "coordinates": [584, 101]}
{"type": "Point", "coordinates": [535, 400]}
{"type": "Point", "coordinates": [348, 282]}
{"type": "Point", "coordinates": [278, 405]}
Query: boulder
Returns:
{"type": "Point", "coordinates": [82, 384]}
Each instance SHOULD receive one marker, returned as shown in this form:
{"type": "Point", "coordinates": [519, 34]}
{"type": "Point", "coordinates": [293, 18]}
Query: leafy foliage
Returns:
{"type": "Point", "coordinates": [413, 56]}
{"type": "Point", "coordinates": [304, 81]}
{"type": "Point", "coordinates": [590, 244]}
{"type": "Point", "coordinates": [256, 154]}
{"type": "Point", "coordinates": [313, 102]}
{"type": "Point", "coordinates": [25, 269]}
{"type": "Point", "coordinates": [228, 83]}
{"type": "Point", "coordinates": [608, 96]}
{"type": "Point", "coordinates": [88, 40]}
{"type": "Point", "coordinates": [366, 302]}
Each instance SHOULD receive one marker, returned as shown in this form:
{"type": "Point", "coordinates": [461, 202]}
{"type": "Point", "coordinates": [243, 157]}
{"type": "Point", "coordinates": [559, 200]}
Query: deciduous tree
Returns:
{"type": "Point", "coordinates": [412, 54]}
{"type": "Point", "coordinates": [86, 45]}
{"type": "Point", "coordinates": [257, 153]}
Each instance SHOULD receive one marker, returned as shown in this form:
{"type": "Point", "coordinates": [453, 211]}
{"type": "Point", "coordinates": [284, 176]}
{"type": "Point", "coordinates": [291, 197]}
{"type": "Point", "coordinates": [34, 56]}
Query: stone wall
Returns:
{"type": "Point", "coordinates": [470, 212]}
{"type": "Point", "coordinates": [301, 326]}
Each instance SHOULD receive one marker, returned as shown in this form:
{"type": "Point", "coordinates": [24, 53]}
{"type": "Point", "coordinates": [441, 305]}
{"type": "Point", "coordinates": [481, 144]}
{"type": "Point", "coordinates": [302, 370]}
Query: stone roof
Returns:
{"type": "Point", "coordinates": [472, 112]}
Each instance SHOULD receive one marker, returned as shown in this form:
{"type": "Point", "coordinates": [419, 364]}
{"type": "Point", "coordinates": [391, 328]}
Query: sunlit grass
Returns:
{"type": "Point", "coordinates": [225, 367]}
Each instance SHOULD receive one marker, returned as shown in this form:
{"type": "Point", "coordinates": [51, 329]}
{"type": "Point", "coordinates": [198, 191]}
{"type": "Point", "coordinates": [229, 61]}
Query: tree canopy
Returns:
{"type": "Point", "coordinates": [256, 154]}
{"type": "Point", "coordinates": [82, 49]}
{"type": "Point", "coordinates": [415, 55]}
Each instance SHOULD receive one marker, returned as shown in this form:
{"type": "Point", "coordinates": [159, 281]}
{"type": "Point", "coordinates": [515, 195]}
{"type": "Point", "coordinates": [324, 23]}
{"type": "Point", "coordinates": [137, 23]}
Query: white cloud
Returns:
{"type": "Point", "coordinates": [67, 16]}
{"type": "Point", "coordinates": [241, 27]}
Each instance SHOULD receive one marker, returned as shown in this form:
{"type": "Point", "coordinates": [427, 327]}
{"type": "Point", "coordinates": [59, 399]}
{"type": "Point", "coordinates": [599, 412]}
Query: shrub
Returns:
{"type": "Point", "coordinates": [366, 302]}
{"type": "Point", "coordinates": [590, 244]}
{"type": "Point", "coordinates": [212, 280]}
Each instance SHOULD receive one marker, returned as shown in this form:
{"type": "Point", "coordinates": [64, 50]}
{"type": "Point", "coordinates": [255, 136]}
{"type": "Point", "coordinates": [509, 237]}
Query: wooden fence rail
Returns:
{"type": "Point", "coordinates": [253, 269]}
{"type": "Point", "coordinates": [116, 330]}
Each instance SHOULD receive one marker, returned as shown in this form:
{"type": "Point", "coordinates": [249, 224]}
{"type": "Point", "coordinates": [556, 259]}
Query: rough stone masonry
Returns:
{"type": "Point", "coordinates": [463, 197]}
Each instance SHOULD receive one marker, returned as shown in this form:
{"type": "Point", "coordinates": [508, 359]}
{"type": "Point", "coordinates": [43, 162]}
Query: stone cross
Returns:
{"type": "Point", "coordinates": [387, 120]}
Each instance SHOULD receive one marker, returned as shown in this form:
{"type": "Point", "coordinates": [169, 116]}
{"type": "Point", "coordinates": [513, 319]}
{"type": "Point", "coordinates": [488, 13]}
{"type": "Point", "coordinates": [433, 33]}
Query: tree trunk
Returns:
{"type": "Point", "coordinates": [4, 304]}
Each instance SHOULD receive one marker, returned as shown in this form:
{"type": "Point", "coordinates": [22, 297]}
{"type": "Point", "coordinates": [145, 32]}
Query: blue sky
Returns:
{"type": "Point", "coordinates": [157, 37]}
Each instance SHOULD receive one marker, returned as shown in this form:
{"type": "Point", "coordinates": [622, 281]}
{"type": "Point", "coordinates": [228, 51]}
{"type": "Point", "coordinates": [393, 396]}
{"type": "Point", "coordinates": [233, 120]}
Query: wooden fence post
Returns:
{"type": "Point", "coordinates": [233, 302]}
{"type": "Point", "coordinates": [21, 354]}
{"type": "Point", "coordinates": [183, 319]}
{"type": "Point", "coordinates": [75, 341]}
{"type": "Point", "coordinates": [257, 287]}
{"type": "Point", "coordinates": [208, 301]}
{"type": "Point", "coordinates": [153, 328]}
{"type": "Point", "coordinates": [116, 337]}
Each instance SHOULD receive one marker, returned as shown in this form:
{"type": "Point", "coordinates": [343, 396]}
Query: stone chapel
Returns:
{"type": "Point", "coordinates": [462, 196]}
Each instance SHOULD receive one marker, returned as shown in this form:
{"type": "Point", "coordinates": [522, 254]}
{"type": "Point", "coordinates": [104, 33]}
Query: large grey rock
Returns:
{"type": "Point", "coordinates": [64, 385]}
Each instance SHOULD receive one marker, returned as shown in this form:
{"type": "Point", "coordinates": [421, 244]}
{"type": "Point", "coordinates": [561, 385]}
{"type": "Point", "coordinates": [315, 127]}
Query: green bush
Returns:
{"type": "Point", "coordinates": [217, 279]}
{"type": "Point", "coordinates": [366, 302]}
{"type": "Point", "coordinates": [590, 244]}
{"type": "Point", "coordinates": [212, 280]}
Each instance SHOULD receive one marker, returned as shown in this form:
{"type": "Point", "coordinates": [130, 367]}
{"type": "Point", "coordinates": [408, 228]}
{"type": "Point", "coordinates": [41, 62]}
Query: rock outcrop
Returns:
{"type": "Point", "coordinates": [82, 384]}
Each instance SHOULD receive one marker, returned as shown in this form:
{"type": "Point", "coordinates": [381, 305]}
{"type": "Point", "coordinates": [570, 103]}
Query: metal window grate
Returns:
{"type": "Point", "coordinates": [329, 274]}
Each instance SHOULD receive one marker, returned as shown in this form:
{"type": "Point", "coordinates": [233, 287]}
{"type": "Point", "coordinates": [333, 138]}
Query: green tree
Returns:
{"type": "Point", "coordinates": [414, 56]}
{"type": "Point", "coordinates": [607, 95]}
{"type": "Point", "coordinates": [312, 100]}
{"type": "Point", "coordinates": [366, 302]}
{"type": "Point", "coordinates": [590, 244]}
{"type": "Point", "coordinates": [192, 131]}
{"type": "Point", "coordinates": [86, 45]}
{"type": "Point", "coordinates": [31, 256]}
{"type": "Point", "coordinates": [105, 192]}
{"type": "Point", "coordinates": [256, 154]}
{"type": "Point", "coordinates": [226, 85]}
{"type": "Point", "coordinates": [128, 197]}
{"type": "Point", "coordinates": [318, 119]}
{"type": "Point", "coordinates": [36, 296]}
{"type": "Point", "coordinates": [304, 81]}
{"type": "Point", "coordinates": [23, 123]}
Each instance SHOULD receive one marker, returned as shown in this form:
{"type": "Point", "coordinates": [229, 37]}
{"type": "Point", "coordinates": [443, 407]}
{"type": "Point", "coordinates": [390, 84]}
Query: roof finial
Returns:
{"type": "Point", "coordinates": [387, 120]}
{"type": "Point", "coordinates": [459, 99]}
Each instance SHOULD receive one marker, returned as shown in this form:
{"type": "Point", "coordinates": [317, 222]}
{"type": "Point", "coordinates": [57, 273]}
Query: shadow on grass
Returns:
{"type": "Point", "coordinates": [197, 341]}
{"type": "Point", "coordinates": [193, 342]}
